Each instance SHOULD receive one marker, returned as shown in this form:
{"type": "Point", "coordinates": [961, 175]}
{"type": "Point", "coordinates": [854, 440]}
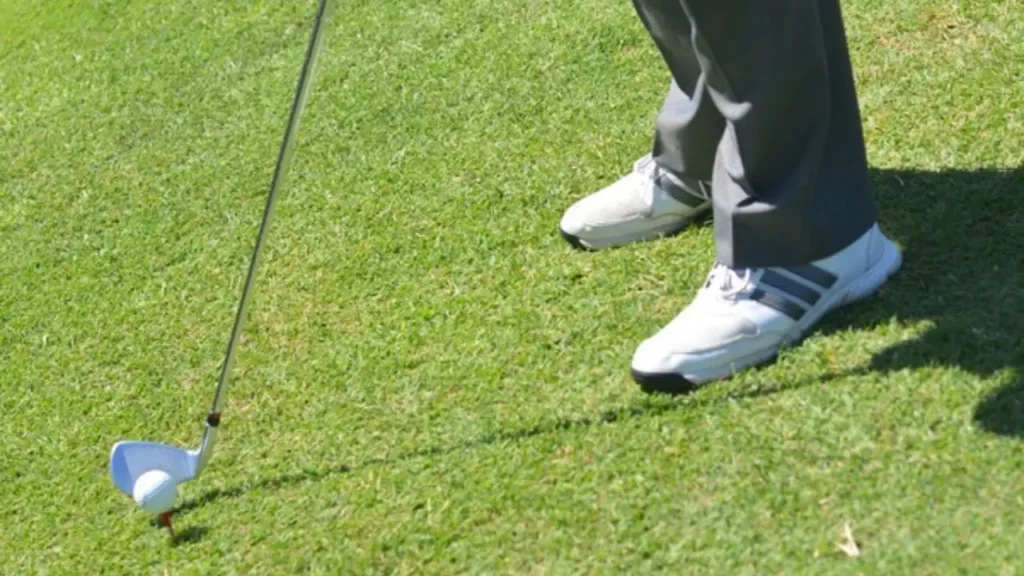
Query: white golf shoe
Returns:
{"type": "Point", "coordinates": [636, 207]}
{"type": "Point", "coordinates": [741, 318]}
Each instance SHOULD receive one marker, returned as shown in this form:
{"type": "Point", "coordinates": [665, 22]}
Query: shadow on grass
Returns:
{"type": "Point", "coordinates": [1003, 411]}
{"type": "Point", "coordinates": [189, 535]}
{"type": "Point", "coordinates": [963, 235]}
{"type": "Point", "coordinates": [963, 272]}
{"type": "Point", "coordinates": [646, 407]}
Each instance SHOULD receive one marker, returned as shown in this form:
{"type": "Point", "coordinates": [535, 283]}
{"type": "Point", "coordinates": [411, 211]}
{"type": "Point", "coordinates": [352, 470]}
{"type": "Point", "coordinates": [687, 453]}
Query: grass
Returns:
{"type": "Point", "coordinates": [432, 382]}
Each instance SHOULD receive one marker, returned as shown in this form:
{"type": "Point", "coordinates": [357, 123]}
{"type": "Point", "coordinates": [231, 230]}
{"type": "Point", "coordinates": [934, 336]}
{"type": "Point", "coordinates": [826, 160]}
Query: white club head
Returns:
{"type": "Point", "coordinates": [129, 460]}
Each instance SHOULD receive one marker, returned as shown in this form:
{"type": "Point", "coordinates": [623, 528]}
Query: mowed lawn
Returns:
{"type": "Point", "coordinates": [432, 381]}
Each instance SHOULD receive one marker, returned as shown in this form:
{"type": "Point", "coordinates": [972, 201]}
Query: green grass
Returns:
{"type": "Point", "coordinates": [432, 382]}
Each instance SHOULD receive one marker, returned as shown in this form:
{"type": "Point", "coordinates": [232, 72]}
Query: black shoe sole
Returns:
{"type": "Point", "coordinates": [653, 383]}
{"type": "Point", "coordinates": [574, 241]}
{"type": "Point", "coordinates": [671, 383]}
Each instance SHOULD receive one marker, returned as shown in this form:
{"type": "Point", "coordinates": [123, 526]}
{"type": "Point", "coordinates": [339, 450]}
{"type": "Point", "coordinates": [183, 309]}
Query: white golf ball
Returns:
{"type": "Point", "coordinates": [155, 492]}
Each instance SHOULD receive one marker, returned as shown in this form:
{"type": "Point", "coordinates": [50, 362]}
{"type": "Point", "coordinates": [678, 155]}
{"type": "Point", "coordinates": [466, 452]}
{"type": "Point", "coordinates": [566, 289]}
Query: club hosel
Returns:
{"type": "Point", "coordinates": [206, 447]}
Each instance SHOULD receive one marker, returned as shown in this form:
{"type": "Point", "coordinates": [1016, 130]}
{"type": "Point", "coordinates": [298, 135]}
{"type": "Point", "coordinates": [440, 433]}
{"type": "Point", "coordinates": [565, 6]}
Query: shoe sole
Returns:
{"type": "Point", "coordinates": [858, 289]}
{"type": "Point", "coordinates": [656, 233]}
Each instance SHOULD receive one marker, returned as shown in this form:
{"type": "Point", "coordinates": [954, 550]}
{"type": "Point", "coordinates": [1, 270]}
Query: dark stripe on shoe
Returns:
{"type": "Point", "coordinates": [691, 200]}
{"type": "Point", "coordinates": [812, 273]}
{"type": "Point", "coordinates": [680, 193]}
{"type": "Point", "coordinates": [705, 189]}
{"type": "Point", "coordinates": [791, 309]}
{"type": "Point", "coordinates": [790, 286]}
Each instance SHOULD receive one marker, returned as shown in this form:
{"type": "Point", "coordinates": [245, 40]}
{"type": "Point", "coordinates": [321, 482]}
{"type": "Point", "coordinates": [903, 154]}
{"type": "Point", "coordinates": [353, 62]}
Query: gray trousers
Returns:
{"type": "Point", "coordinates": [763, 105]}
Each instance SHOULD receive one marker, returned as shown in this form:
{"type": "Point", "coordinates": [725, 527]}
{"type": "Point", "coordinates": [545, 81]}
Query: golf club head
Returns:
{"type": "Point", "coordinates": [131, 459]}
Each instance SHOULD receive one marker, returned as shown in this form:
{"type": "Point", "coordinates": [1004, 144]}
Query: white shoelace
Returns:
{"type": "Point", "coordinates": [730, 283]}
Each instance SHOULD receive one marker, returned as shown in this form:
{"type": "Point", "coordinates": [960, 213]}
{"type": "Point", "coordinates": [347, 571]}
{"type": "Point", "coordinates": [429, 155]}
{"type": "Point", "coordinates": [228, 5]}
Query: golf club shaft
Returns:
{"type": "Point", "coordinates": [280, 172]}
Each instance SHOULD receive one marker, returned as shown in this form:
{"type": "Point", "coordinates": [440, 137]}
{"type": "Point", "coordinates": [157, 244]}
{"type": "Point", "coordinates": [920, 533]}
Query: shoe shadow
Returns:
{"type": "Point", "coordinates": [963, 239]}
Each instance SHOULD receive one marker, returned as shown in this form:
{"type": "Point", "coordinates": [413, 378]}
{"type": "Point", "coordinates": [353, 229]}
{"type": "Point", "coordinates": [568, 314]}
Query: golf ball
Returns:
{"type": "Point", "coordinates": [155, 492]}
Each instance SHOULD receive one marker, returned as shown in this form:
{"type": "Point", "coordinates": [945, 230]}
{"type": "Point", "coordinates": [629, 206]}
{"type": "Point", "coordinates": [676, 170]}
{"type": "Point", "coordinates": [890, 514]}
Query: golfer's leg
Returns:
{"type": "Point", "coordinates": [794, 219]}
{"type": "Point", "coordinates": [790, 182]}
{"type": "Point", "coordinates": [669, 189]}
{"type": "Point", "coordinates": [689, 126]}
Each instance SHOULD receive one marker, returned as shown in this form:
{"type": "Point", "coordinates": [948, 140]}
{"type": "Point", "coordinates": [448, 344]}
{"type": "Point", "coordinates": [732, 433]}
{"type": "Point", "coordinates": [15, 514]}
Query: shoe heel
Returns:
{"type": "Point", "coordinates": [872, 280]}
